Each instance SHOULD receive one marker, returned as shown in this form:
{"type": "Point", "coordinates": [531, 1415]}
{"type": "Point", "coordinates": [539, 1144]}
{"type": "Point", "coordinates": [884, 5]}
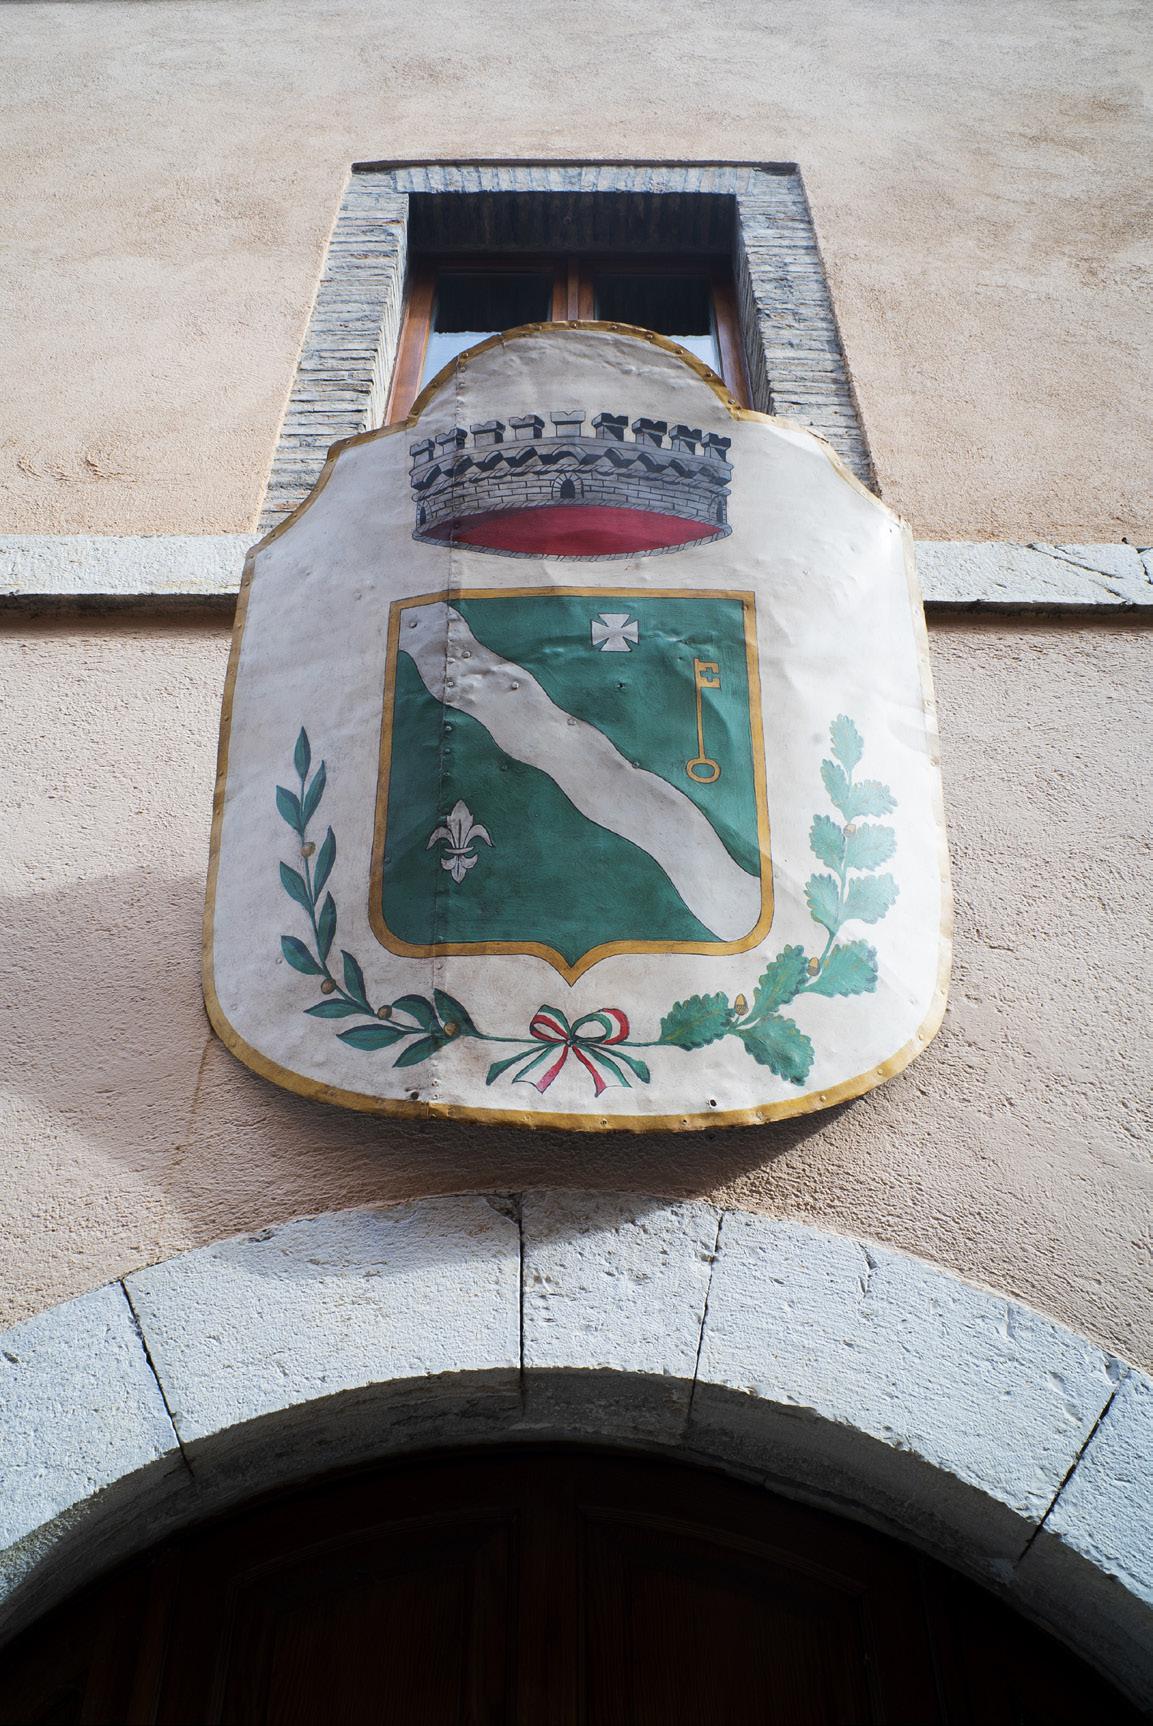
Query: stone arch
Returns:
{"type": "Point", "coordinates": [567, 488]}
{"type": "Point", "coordinates": [841, 1372]}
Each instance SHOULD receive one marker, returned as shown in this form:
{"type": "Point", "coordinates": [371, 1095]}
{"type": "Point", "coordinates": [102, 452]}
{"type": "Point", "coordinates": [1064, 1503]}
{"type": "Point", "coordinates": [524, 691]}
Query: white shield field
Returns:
{"type": "Point", "coordinates": [578, 763]}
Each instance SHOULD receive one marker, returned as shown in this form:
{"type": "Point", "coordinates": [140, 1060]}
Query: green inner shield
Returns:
{"type": "Point", "coordinates": [551, 875]}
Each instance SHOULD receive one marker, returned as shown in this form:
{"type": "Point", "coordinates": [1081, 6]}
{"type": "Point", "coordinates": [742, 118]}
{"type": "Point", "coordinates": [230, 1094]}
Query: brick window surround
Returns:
{"type": "Point", "coordinates": [758, 212]}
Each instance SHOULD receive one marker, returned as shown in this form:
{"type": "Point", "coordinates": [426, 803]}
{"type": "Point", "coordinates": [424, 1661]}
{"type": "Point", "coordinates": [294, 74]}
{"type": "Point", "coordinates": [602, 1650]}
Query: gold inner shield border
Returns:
{"type": "Point", "coordinates": [538, 949]}
{"type": "Point", "coordinates": [589, 1120]}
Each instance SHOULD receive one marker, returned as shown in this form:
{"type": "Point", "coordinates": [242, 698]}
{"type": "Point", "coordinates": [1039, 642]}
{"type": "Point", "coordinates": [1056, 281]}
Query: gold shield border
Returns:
{"type": "Point", "coordinates": [588, 1120]}
{"type": "Point", "coordinates": [538, 949]}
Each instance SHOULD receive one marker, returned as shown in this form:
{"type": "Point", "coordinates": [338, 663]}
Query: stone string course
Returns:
{"type": "Point", "coordinates": [956, 575]}
{"type": "Point", "coordinates": [792, 350]}
{"type": "Point", "coordinates": [842, 1372]}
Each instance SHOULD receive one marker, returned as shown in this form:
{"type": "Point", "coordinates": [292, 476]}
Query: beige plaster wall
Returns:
{"type": "Point", "coordinates": [1016, 1150]}
{"type": "Point", "coordinates": [170, 173]}
{"type": "Point", "coordinates": [978, 173]}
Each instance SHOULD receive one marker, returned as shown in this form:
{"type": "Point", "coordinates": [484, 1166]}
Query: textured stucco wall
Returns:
{"type": "Point", "coordinates": [977, 172]}
{"type": "Point", "coordinates": [1014, 1151]}
{"type": "Point", "coordinates": [170, 174]}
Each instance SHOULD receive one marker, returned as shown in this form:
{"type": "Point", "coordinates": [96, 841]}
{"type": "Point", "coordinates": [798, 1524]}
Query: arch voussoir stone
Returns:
{"type": "Point", "coordinates": [975, 1406]}
{"type": "Point", "coordinates": [615, 1290]}
{"type": "Point", "coordinates": [826, 1367]}
{"type": "Point", "coordinates": [86, 1443]}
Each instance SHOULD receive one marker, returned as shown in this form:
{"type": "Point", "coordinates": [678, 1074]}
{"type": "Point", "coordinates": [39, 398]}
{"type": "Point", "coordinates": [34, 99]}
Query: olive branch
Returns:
{"type": "Point", "coordinates": [852, 850]}
{"type": "Point", "coordinates": [430, 1024]}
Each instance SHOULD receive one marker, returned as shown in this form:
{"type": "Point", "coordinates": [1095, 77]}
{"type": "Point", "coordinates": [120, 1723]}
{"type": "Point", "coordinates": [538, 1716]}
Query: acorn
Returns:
{"type": "Point", "coordinates": [850, 829]}
{"type": "Point", "coordinates": [451, 1027]}
{"type": "Point", "coordinates": [328, 987]}
{"type": "Point", "coordinates": [384, 1012]}
{"type": "Point", "coordinates": [740, 1005]}
{"type": "Point", "coordinates": [307, 850]}
{"type": "Point", "coordinates": [814, 967]}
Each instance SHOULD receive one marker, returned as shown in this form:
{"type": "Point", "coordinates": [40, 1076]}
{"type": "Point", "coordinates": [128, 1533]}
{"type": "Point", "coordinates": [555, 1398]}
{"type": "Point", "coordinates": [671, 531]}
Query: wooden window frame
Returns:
{"type": "Point", "coordinates": [573, 298]}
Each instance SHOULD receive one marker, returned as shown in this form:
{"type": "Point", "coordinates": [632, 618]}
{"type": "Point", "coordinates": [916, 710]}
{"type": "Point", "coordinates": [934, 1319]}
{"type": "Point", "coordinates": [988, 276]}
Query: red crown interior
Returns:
{"type": "Point", "coordinates": [572, 530]}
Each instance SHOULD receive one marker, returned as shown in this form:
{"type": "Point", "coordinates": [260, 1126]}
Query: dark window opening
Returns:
{"type": "Point", "coordinates": [675, 304]}
{"type": "Point", "coordinates": [454, 302]}
{"type": "Point", "coordinates": [470, 305]}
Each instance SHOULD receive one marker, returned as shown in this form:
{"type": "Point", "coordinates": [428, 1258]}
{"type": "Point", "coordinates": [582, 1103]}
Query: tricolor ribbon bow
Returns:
{"type": "Point", "coordinates": [588, 1038]}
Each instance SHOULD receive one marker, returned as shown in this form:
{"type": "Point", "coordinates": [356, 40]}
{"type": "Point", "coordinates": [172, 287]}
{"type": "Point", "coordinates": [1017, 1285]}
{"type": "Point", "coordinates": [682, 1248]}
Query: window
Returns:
{"type": "Point", "coordinates": [454, 302]}
{"type": "Point", "coordinates": [426, 257]}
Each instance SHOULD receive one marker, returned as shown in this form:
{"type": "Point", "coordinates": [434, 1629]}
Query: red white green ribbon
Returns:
{"type": "Point", "coordinates": [588, 1038]}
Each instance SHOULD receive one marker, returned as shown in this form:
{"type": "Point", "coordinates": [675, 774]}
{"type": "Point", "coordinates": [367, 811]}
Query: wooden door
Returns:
{"type": "Point", "coordinates": [547, 1589]}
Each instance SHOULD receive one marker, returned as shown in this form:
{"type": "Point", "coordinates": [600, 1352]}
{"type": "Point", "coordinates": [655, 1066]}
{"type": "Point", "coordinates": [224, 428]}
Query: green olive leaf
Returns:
{"type": "Point", "coordinates": [299, 957]}
{"type": "Point", "coordinates": [288, 803]}
{"type": "Point", "coordinates": [371, 1036]}
{"type": "Point", "coordinates": [354, 978]}
{"type": "Point", "coordinates": [293, 883]}
{"type": "Point", "coordinates": [313, 795]}
{"type": "Point", "coordinates": [326, 927]}
{"type": "Point", "coordinates": [325, 858]}
{"type": "Point", "coordinates": [452, 1013]}
{"type": "Point", "coordinates": [419, 1050]}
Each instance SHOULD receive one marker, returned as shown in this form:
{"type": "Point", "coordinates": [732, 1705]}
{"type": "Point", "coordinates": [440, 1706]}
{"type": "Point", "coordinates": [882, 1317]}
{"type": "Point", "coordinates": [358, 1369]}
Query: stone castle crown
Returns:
{"type": "Point", "coordinates": [571, 493]}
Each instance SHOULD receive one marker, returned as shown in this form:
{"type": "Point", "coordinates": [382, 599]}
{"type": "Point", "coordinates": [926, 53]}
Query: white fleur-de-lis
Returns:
{"type": "Point", "coordinates": [459, 834]}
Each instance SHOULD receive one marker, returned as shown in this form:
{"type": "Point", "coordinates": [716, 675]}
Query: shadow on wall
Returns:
{"type": "Point", "coordinates": [1010, 1151]}
{"type": "Point", "coordinates": [109, 1049]}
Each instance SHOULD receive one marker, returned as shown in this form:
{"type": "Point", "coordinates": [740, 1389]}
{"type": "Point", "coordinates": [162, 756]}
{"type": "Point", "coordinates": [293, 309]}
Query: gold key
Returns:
{"type": "Point", "coordinates": [702, 769]}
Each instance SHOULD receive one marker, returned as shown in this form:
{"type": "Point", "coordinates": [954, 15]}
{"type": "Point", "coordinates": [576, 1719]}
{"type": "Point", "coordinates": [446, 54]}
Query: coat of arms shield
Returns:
{"type": "Point", "coordinates": [578, 763]}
